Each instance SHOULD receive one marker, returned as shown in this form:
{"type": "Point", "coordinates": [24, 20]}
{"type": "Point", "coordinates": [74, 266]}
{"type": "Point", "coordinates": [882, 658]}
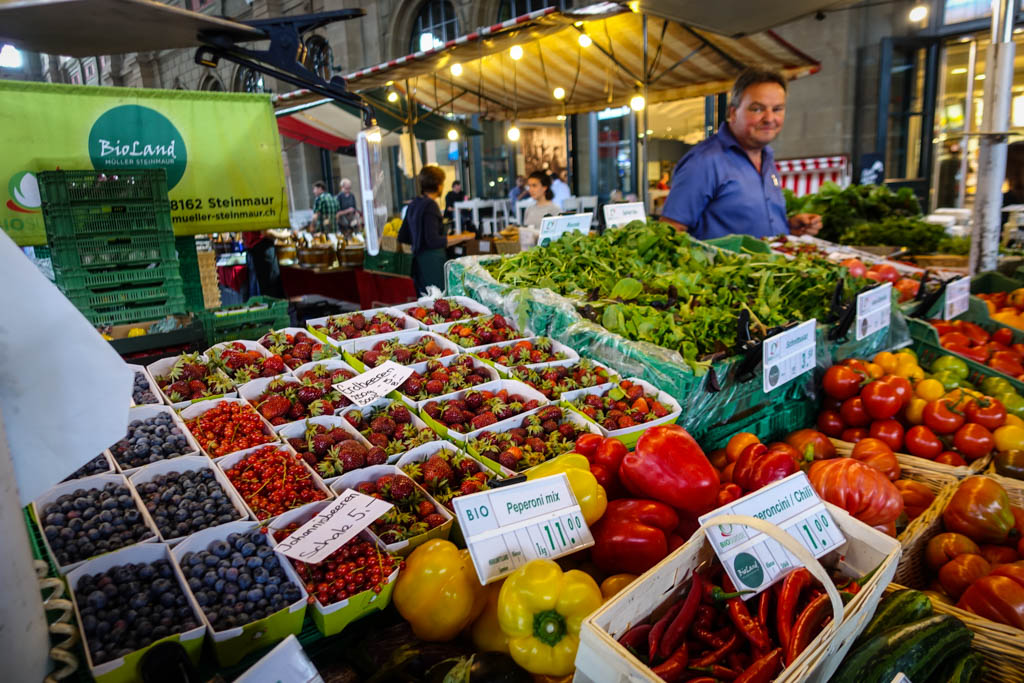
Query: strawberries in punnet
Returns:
{"type": "Point", "coordinates": [243, 365]}
{"type": "Point", "coordinates": [541, 436]}
{"type": "Point", "coordinates": [272, 480]}
{"type": "Point", "coordinates": [442, 311]}
{"type": "Point", "coordinates": [390, 427]}
{"type": "Point", "coordinates": [288, 400]}
{"type": "Point", "coordinates": [448, 474]}
{"type": "Point", "coordinates": [478, 409]}
{"type": "Point", "coordinates": [522, 352]}
{"type": "Point", "coordinates": [624, 405]}
{"type": "Point", "coordinates": [192, 378]}
{"type": "Point", "coordinates": [479, 331]}
{"type": "Point", "coordinates": [332, 451]}
{"type": "Point", "coordinates": [358, 324]}
{"type": "Point", "coordinates": [228, 427]}
{"type": "Point", "coordinates": [438, 379]}
{"type": "Point", "coordinates": [553, 381]}
{"type": "Point", "coordinates": [297, 349]}
{"type": "Point", "coordinates": [423, 349]}
{"type": "Point", "coordinates": [413, 513]}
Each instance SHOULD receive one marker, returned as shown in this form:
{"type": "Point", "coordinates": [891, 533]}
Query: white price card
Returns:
{"type": "Point", "coordinates": [874, 308]}
{"type": "Point", "coordinates": [286, 662]}
{"type": "Point", "coordinates": [753, 560]}
{"type": "Point", "coordinates": [616, 215]}
{"type": "Point", "coordinates": [506, 527]}
{"type": "Point", "coordinates": [553, 227]}
{"type": "Point", "coordinates": [789, 354]}
{"type": "Point", "coordinates": [336, 525]}
{"type": "Point", "coordinates": [375, 383]}
{"type": "Point", "coordinates": [957, 298]}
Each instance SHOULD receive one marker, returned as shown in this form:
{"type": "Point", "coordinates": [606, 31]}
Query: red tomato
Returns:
{"type": "Point", "coordinates": [922, 442]}
{"type": "Point", "coordinates": [940, 418]}
{"type": "Point", "coordinates": [960, 572]}
{"type": "Point", "coordinates": [853, 413]}
{"type": "Point", "coordinates": [902, 386]}
{"type": "Point", "coordinates": [999, 554]}
{"type": "Point", "coordinates": [885, 273]}
{"type": "Point", "coordinates": [876, 453]}
{"type": "Point", "coordinates": [841, 382]}
{"type": "Point", "coordinates": [830, 403]}
{"type": "Point", "coordinates": [854, 434]}
{"type": "Point", "coordinates": [831, 423]}
{"type": "Point", "coordinates": [946, 546]}
{"type": "Point", "coordinates": [988, 412]}
{"type": "Point", "coordinates": [811, 442]}
{"type": "Point", "coordinates": [907, 288]}
{"type": "Point", "coordinates": [951, 458]}
{"type": "Point", "coordinates": [973, 441]}
{"type": "Point", "coordinates": [1007, 362]}
{"type": "Point", "coordinates": [783, 447]}
{"type": "Point", "coordinates": [855, 266]}
{"type": "Point", "coordinates": [889, 431]}
{"type": "Point", "coordinates": [881, 400]}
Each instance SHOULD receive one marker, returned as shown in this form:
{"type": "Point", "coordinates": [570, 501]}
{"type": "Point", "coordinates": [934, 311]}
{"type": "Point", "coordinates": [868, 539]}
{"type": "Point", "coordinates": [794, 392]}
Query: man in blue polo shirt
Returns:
{"type": "Point", "coordinates": [728, 183]}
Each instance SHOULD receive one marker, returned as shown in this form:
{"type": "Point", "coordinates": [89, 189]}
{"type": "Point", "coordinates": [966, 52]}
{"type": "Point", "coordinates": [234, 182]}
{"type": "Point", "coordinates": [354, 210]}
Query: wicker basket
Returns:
{"type": "Point", "coordinates": [946, 261]}
{"type": "Point", "coordinates": [917, 534]}
{"type": "Point", "coordinates": [389, 243]}
{"type": "Point", "coordinates": [845, 448]}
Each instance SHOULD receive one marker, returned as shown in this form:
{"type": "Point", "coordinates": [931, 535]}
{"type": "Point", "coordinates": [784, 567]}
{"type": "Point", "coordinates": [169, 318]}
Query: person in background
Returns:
{"type": "Point", "coordinates": [1014, 174]}
{"type": "Point", "coordinates": [454, 195]}
{"type": "Point", "coordinates": [561, 188]}
{"type": "Point", "coordinates": [539, 187]}
{"type": "Point", "coordinates": [517, 191]}
{"type": "Point", "coordinates": [728, 183]}
{"type": "Point", "coordinates": [261, 257]}
{"type": "Point", "coordinates": [423, 228]}
{"type": "Point", "coordinates": [663, 184]}
{"type": "Point", "coordinates": [325, 209]}
{"type": "Point", "coordinates": [348, 215]}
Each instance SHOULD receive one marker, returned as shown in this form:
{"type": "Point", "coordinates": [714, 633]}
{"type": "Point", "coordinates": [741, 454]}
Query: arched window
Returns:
{"type": "Point", "coordinates": [211, 83]}
{"type": "Point", "coordinates": [248, 80]}
{"type": "Point", "coordinates": [319, 57]}
{"type": "Point", "coordinates": [435, 25]}
{"type": "Point", "coordinates": [515, 8]}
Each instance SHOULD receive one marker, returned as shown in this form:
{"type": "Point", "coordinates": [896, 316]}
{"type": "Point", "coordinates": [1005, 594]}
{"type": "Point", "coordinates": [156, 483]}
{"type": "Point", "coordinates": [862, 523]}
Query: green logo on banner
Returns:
{"type": "Point", "coordinates": [131, 136]}
{"type": "Point", "coordinates": [748, 569]}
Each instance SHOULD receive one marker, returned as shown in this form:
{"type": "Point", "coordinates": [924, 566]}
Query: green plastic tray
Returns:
{"type": "Point", "coordinates": [742, 244]}
{"type": "Point", "coordinates": [769, 422]}
{"type": "Point", "coordinates": [102, 186]}
{"type": "Point", "coordinates": [92, 253]}
{"type": "Point", "coordinates": [990, 283]}
{"type": "Point", "coordinates": [114, 220]}
{"type": "Point", "coordinates": [73, 279]}
{"type": "Point", "coordinates": [124, 314]}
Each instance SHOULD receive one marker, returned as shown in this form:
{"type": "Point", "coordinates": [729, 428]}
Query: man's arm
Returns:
{"type": "Point", "coordinates": [805, 224]}
{"type": "Point", "coordinates": [675, 224]}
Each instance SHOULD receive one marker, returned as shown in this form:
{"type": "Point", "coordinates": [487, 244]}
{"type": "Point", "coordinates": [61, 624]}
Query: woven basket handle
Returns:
{"type": "Point", "coordinates": [790, 544]}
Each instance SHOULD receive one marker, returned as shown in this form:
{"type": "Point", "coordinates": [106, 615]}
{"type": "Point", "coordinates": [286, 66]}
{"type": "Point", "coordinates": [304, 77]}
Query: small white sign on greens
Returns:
{"type": "Point", "coordinates": [553, 227]}
{"type": "Point", "coordinates": [616, 215]}
{"type": "Point", "coordinates": [874, 308]}
{"type": "Point", "coordinates": [336, 525]}
{"type": "Point", "coordinates": [508, 526]}
{"type": "Point", "coordinates": [754, 561]}
{"type": "Point", "coordinates": [788, 354]}
{"type": "Point", "coordinates": [957, 298]}
{"type": "Point", "coordinates": [375, 383]}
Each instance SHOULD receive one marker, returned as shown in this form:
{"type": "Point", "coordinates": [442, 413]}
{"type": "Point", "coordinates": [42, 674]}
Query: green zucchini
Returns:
{"type": "Point", "coordinates": [966, 669]}
{"type": "Point", "coordinates": [901, 607]}
{"type": "Point", "coordinates": [916, 649]}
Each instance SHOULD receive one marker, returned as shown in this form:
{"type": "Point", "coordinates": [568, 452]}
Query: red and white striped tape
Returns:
{"type": "Point", "coordinates": [805, 176]}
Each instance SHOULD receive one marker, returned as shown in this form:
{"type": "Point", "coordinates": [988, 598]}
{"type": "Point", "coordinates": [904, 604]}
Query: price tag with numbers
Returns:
{"type": "Point", "coordinates": [957, 298]}
{"type": "Point", "coordinates": [789, 354]}
{"type": "Point", "coordinates": [874, 308]}
{"type": "Point", "coordinates": [506, 527]}
{"type": "Point", "coordinates": [336, 525]}
{"type": "Point", "coordinates": [755, 561]}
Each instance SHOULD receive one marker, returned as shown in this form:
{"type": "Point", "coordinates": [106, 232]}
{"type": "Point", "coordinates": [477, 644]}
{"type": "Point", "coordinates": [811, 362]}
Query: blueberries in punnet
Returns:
{"type": "Point", "coordinates": [178, 514]}
{"type": "Point", "coordinates": [240, 593]}
{"type": "Point", "coordinates": [150, 440]}
{"type": "Point", "coordinates": [92, 529]}
{"type": "Point", "coordinates": [115, 623]}
{"type": "Point", "coordinates": [97, 465]}
{"type": "Point", "coordinates": [141, 392]}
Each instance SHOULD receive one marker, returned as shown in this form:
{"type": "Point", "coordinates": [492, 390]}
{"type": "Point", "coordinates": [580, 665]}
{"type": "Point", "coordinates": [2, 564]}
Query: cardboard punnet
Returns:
{"type": "Point", "coordinates": [613, 376]}
{"type": "Point", "coordinates": [228, 462]}
{"type": "Point", "coordinates": [630, 435]}
{"type": "Point", "coordinates": [571, 357]}
{"type": "Point", "coordinates": [427, 302]}
{"type": "Point", "coordinates": [318, 326]}
{"type": "Point", "coordinates": [107, 458]}
{"type": "Point", "coordinates": [367, 411]}
{"type": "Point", "coordinates": [567, 415]}
{"type": "Point", "coordinates": [513, 387]}
{"type": "Point", "coordinates": [447, 361]}
{"type": "Point", "coordinates": [146, 412]}
{"type": "Point", "coordinates": [152, 385]}
{"type": "Point", "coordinates": [215, 351]}
{"type": "Point", "coordinates": [330, 348]}
{"type": "Point", "coordinates": [331, 364]}
{"type": "Point", "coordinates": [294, 430]}
{"type": "Point", "coordinates": [408, 337]}
{"type": "Point", "coordinates": [446, 331]}
{"type": "Point", "coordinates": [196, 409]}
{"type": "Point", "coordinates": [162, 367]}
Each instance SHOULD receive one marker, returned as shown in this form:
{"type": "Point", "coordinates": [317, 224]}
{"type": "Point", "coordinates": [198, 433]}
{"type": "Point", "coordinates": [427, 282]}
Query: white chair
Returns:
{"type": "Point", "coordinates": [521, 206]}
{"type": "Point", "coordinates": [571, 204]}
{"type": "Point", "coordinates": [588, 203]}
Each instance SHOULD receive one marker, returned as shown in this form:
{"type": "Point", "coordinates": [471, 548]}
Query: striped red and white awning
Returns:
{"type": "Point", "coordinates": [805, 176]}
{"type": "Point", "coordinates": [683, 62]}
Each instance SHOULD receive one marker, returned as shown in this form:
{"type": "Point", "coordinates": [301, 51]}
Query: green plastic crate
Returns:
{"type": "Point", "coordinates": [383, 262]}
{"type": "Point", "coordinates": [122, 314]}
{"type": "Point", "coordinates": [104, 252]}
{"type": "Point", "coordinates": [170, 289]}
{"type": "Point", "coordinates": [77, 279]}
{"type": "Point", "coordinates": [928, 348]}
{"type": "Point", "coordinates": [252, 331]}
{"type": "Point", "coordinates": [102, 186]}
{"type": "Point", "coordinates": [114, 220]}
{"type": "Point", "coordinates": [223, 324]}
{"type": "Point", "coordinates": [194, 299]}
{"type": "Point", "coordinates": [742, 244]}
{"type": "Point", "coordinates": [769, 422]}
{"type": "Point", "coordinates": [990, 283]}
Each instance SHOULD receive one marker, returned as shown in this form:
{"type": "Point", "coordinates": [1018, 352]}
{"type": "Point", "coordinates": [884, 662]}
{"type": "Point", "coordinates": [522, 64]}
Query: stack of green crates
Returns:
{"type": "Point", "coordinates": [112, 244]}
{"type": "Point", "coordinates": [252, 320]}
{"type": "Point", "coordinates": [188, 266]}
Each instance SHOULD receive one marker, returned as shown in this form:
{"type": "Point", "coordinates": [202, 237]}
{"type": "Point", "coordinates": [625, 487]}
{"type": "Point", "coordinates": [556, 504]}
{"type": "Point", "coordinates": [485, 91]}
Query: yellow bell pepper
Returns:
{"type": "Point", "coordinates": [486, 631]}
{"type": "Point", "coordinates": [438, 592]}
{"type": "Point", "coordinates": [589, 494]}
{"type": "Point", "coordinates": [541, 609]}
{"type": "Point", "coordinates": [614, 583]}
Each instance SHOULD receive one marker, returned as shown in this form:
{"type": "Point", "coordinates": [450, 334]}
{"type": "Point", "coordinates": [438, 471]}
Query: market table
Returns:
{"type": "Point", "coordinates": [337, 283]}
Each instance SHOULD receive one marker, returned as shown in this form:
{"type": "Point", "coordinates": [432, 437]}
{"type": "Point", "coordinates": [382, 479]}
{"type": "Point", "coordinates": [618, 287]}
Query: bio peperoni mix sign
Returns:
{"type": "Point", "coordinates": [221, 152]}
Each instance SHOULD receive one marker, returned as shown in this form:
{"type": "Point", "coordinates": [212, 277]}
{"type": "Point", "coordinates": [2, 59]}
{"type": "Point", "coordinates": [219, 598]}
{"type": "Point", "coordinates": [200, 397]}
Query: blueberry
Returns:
{"type": "Point", "coordinates": [97, 599]}
{"type": "Point", "coordinates": [209, 560]}
{"type": "Point", "coordinates": [254, 562]}
{"type": "Point", "coordinates": [244, 580]}
{"type": "Point", "coordinates": [220, 549]}
{"type": "Point", "coordinates": [210, 578]}
{"type": "Point", "coordinates": [248, 549]}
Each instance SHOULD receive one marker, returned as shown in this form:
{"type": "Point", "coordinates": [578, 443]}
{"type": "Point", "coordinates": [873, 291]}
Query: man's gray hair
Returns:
{"type": "Point", "coordinates": [753, 76]}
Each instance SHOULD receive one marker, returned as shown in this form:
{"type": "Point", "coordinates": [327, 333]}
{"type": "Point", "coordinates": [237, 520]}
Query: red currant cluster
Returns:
{"type": "Point", "coordinates": [227, 428]}
{"type": "Point", "coordinates": [353, 568]}
{"type": "Point", "coordinates": [272, 480]}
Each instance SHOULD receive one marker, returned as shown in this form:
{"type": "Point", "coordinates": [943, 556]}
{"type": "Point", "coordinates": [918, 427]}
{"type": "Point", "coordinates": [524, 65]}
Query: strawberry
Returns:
{"type": "Point", "coordinates": [508, 460]}
{"type": "Point", "coordinates": [469, 486]}
{"type": "Point", "coordinates": [354, 418]}
{"type": "Point", "coordinates": [275, 365]}
{"type": "Point", "coordinates": [424, 508]}
{"type": "Point", "coordinates": [352, 459]}
{"type": "Point", "coordinates": [549, 413]}
{"type": "Point", "coordinates": [400, 414]}
{"type": "Point", "coordinates": [659, 410]}
{"type": "Point", "coordinates": [483, 420]}
{"type": "Point", "coordinates": [443, 308]}
{"type": "Point", "coordinates": [567, 430]}
{"type": "Point", "coordinates": [320, 443]}
{"type": "Point", "coordinates": [402, 488]}
{"type": "Point", "coordinates": [467, 467]}
{"type": "Point", "coordinates": [376, 456]}
{"type": "Point", "coordinates": [436, 471]}
{"type": "Point", "coordinates": [435, 387]}
{"type": "Point", "coordinates": [383, 425]}
{"type": "Point", "coordinates": [309, 392]}
{"type": "Point", "coordinates": [297, 411]}
{"type": "Point", "coordinates": [403, 356]}
{"type": "Point", "coordinates": [366, 488]}
{"type": "Point", "coordinates": [435, 520]}
{"type": "Point", "coordinates": [274, 406]}
{"type": "Point", "coordinates": [626, 421]}
{"type": "Point", "coordinates": [451, 416]}
{"type": "Point", "coordinates": [377, 439]}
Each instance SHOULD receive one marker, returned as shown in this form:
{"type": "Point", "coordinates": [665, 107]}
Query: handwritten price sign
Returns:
{"type": "Point", "coordinates": [339, 523]}
{"type": "Point", "coordinates": [374, 384]}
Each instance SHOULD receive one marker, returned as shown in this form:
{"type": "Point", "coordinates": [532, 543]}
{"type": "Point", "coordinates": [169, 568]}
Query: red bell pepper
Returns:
{"type": "Point", "coordinates": [605, 456]}
{"type": "Point", "coordinates": [669, 466]}
{"type": "Point", "coordinates": [728, 493]}
{"type": "Point", "coordinates": [587, 444]}
{"type": "Point", "coordinates": [1003, 336]}
{"type": "Point", "coordinates": [995, 597]}
{"type": "Point", "coordinates": [633, 535]}
{"type": "Point", "coordinates": [758, 466]}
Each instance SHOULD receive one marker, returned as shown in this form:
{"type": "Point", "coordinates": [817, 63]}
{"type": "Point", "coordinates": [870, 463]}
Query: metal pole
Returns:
{"type": "Point", "coordinates": [644, 180]}
{"type": "Point", "coordinates": [992, 143]}
{"type": "Point", "coordinates": [972, 63]}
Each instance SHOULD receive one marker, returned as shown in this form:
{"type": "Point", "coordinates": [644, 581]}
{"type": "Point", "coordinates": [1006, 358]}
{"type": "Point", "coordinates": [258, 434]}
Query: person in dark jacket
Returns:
{"type": "Point", "coordinates": [423, 229]}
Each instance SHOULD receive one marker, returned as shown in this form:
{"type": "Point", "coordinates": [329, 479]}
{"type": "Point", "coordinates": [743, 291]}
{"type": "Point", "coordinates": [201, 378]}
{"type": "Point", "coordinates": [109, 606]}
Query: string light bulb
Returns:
{"type": "Point", "coordinates": [585, 40]}
{"type": "Point", "coordinates": [558, 93]}
{"type": "Point", "coordinates": [456, 70]}
{"type": "Point", "coordinates": [918, 12]}
{"type": "Point", "coordinates": [392, 96]}
{"type": "Point", "coordinates": [513, 134]}
{"type": "Point", "coordinates": [637, 103]}
{"type": "Point", "coordinates": [516, 52]}
{"type": "Point", "coordinates": [634, 6]}
{"type": "Point", "coordinates": [453, 134]}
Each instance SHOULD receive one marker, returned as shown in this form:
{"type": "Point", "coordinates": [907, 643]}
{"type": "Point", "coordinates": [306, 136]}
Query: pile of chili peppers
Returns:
{"type": "Point", "coordinates": [711, 634]}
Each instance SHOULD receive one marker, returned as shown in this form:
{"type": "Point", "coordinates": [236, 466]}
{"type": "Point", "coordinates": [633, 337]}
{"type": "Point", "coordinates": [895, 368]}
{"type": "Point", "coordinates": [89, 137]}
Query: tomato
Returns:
{"type": "Point", "coordinates": [738, 443]}
{"type": "Point", "coordinates": [951, 364]}
{"type": "Point", "coordinates": [980, 509]}
{"type": "Point", "coordinates": [718, 459]}
{"type": "Point", "coordinates": [955, 339]}
{"type": "Point", "coordinates": [855, 266]}
{"type": "Point", "coordinates": [881, 400]}
{"type": "Point", "coordinates": [831, 423]}
{"type": "Point", "coordinates": [987, 412]}
{"type": "Point", "coordinates": [841, 382]}
{"type": "Point", "coordinates": [913, 412]}
{"type": "Point", "coordinates": [888, 361]}
{"type": "Point", "coordinates": [960, 572]}
{"type": "Point", "coordinates": [940, 418]}
{"type": "Point", "coordinates": [726, 474]}
{"type": "Point", "coordinates": [811, 445]}
{"type": "Point", "coordinates": [859, 489]}
{"type": "Point", "coordinates": [916, 497]}
{"type": "Point", "coordinates": [876, 453]}
{"type": "Point", "coordinates": [889, 431]}
{"type": "Point", "coordinates": [902, 385]}
{"type": "Point", "coordinates": [929, 389]}
{"type": "Point", "coordinates": [944, 547]}
{"type": "Point", "coordinates": [853, 413]}
{"type": "Point", "coordinates": [830, 403]}
{"type": "Point", "coordinates": [948, 380]}
{"type": "Point", "coordinates": [995, 385]}
{"type": "Point", "coordinates": [853, 434]}
{"type": "Point", "coordinates": [973, 441]}
{"type": "Point", "coordinates": [922, 442]}
{"type": "Point", "coordinates": [1013, 402]}
{"type": "Point", "coordinates": [999, 554]}
{"type": "Point", "coordinates": [907, 288]}
{"type": "Point", "coordinates": [1003, 336]}
{"type": "Point", "coordinates": [951, 458]}
{"type": "Point", "coordinates": [783, 447]}
{"type": "Point", "coordinates": [886, 272]}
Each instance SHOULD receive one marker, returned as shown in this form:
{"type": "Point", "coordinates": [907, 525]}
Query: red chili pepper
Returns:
{"type": "Point", "coordinates": [739, 660]}
{"type": "Point", "coordinates": [703, 679]}
{"type": "Point", "coordinates": [674, 668]}
{"type": "Point", "coordinates": [716, 656]}
{"type": "Point", "coordinates": [763, 669]}
{"type": "Point", "coordinates": [635, 637]}
{"type": "Point", "coordinates": [764, 609]}
{"type": "Point", "coordinates": [853, 586]}
{"type": "Point", "coordinates": [717, 671]}
{"type": "Point", "coordinates": [750, 627]}
{"type": "Point", "coordinates": [789, 596]}
{"type": "Point", "coordinates": [713, 638]}
{"type": "Point", "coordinates": [807, 625]}
{"type": "Point", "coordinates": [676, 631]}
{"type": "Point", "coordinates": [705, 615]}
{"type": "Point", "coordinates": [654, 637]}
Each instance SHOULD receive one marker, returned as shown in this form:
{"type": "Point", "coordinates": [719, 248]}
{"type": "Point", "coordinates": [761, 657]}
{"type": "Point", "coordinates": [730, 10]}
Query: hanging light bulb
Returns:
{"type": "Point", "coordinates": [513, 134]}
{"type": "Point", "coordinates": [516, 52]}
{"type": "Point", "coordinates": [392, 96]}
{"type": "Point", "coordinates": [918, 12]}
{"type": "Point", "coordinates": [560, 117]}
{"type": "Point", "coordinates": [634, 6]}
{"type": "Point", "coordinates": [585, 40]}
{"type": "Point", "coordinates": [637, 103]}
{"type": "Point", "coordinates": [453, 134]}
{"type": "Point", "coordinates": [558, 93]}
{"type": "Point", "coordinates": [456, 70]}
